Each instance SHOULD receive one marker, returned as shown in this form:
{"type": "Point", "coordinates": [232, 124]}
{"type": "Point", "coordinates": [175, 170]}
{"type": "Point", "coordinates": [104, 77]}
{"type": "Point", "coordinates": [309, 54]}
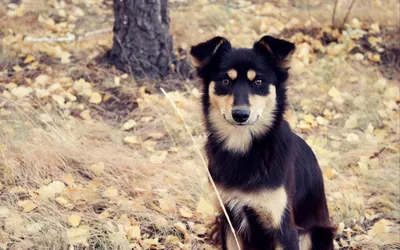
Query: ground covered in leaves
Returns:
{"type": "Point", "coordinates": [89, 159]}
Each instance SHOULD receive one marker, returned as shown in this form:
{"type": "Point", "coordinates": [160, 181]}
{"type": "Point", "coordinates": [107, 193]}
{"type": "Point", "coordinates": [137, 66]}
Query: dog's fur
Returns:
{"type": "Point", "coordinates": [268, 177]}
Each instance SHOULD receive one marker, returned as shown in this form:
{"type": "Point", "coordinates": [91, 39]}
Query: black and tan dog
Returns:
{"type": "Point", "coordinates": [268, 177]}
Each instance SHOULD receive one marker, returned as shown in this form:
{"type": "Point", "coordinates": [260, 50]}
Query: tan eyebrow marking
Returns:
{"type": "Point", "coordinates": [232, 73]}
{"type": "Point", "coordinates": [251, 74]}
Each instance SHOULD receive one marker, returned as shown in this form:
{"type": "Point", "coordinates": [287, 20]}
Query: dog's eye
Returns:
{"type": "Point", "coordinates": [258, 82]}
{"type": "Point", "coordinates": [225, 81]}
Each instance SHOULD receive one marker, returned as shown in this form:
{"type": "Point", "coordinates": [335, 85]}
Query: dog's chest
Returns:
{"type": "Point", "coordinates": [269, 205]}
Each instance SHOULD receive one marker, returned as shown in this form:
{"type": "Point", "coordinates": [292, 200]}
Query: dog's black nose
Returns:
{"type": "Point", "coordinates": [240, 115]}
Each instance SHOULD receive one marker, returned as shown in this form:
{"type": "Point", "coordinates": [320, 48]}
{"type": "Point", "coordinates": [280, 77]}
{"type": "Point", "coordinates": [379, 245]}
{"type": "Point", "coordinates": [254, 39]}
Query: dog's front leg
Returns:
{"type": "Point", "coordinates": [289, 239]}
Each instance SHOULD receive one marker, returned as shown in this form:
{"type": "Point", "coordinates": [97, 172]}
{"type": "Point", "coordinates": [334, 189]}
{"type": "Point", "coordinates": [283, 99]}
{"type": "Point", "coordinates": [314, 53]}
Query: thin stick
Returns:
{"type": "Point", "coordinates": [334, 13]}
{"type": "Point", "coordinates": [205, 167]}
{"type": "Point", "coordinates": [348, 13]}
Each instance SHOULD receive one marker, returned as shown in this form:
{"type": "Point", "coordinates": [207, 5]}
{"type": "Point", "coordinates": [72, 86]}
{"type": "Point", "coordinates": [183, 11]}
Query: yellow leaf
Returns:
{"type": "Point", "coordinates": [27, 205]}
{"type": "Point", "coordinates": [133, 232]}
{"type": "Point", "coordinates": [351, 123]}
{"type": "Point", "coordinates": [105, 215]}
{"type": "Point", "coordinates": [97, 168]}
{"type": "Point", "coordinates": [21, 91]}
{"type": "Point", "coordinates": [353, 138]}
{"type": "Point", "coordinates": [68, 179]}
{"type": "Point", "coordinates": [340, 228]}
{"type": "Point", "coordinates": [34, 228]}
{"type": "Point", "coordinates": [86, 114]}
{"type": "Point", "coordinates": [151, 241]}
{"type": "Point", "coordinates": [74, 220]}
{"type": "Point", "coordinates": [309, 118]}
{"type": "Point", "coordinates": [334, 92]}
{"type": "Point", "coordinates": [62, 201]}
{"type": "Point", "coordinates": [186, 212]}
{"type": "Point", "coordinates": [132, 139]}
{"type": "Point", "coordinates": [322, 121]}
{"type": "Point", "coordinates": [78, 235]}
{"type": "Point", "coordinates": [60, 100]}
{"type": "Point", "coordinates": [181, 227]}
{"type": "Point", "coordinates": [380, 227]}
{"type": "Point", "coordinates": [129, 125]}
{"type": "Point", "coordinates": [95, 98]}
{"type": "Point", "coordinates": [329, 173]}
{"type": "Point", "coordinates": [110, 192]}
{"type": "Point", "coordinates": [29, 59]}
{"type": "Point", "coordinates": [204, 207]}
{"type": "Point", "coordinates": [4, 212]}
{"type": "Point", "coordinates": [167, 205]}
{"type": "Point", "coordinates": [359, 56]}
{"type": "Point", "coordinates": [172, 239]}
{"type": "Point", "coordinates": [117, 80]}
{"type": "Point", "coordinates": [375, 58]}
{"type": "Point", "coordinates": [200, 229]}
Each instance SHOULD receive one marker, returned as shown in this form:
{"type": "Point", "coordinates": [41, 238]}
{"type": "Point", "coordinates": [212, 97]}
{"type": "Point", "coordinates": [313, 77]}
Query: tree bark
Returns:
{"type": "Point", "coordinates": [142, 40]}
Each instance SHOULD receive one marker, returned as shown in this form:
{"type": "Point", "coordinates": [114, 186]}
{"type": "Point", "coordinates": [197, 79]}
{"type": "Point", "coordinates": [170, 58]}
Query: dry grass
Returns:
{"type": "Point", "coordinates": [34, 154]}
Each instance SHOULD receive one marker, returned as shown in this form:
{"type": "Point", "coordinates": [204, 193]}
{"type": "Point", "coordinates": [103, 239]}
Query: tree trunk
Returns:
{"type": "Point", "coordinates": [142, 41]}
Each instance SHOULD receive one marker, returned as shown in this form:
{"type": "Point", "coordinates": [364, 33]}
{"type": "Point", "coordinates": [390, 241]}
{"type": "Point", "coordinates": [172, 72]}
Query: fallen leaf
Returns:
{"type": "Point", "coordinates": [34, 228]}
{"type": "Point", "coordinates": [172, 239]}
{"type": "Point", "coordinates": [353, 138]}
{"type": "Point", "coordinates": [340, 228]}
{"type": "Point", "coordinates": [351, 123]}
{"type": "Point", "coordinates": [46, 118]}
{"type": "Point", "coordinates": [186, 212]}
{"type": "Point", "coordinates": [86, 114]}
{"type": "Point", "coordinates": [4, 212]}
{"type": "Point", "coordinates": [204, 207]}
{"type": "Point", "coordinates": [68, 179]}
{"type": "Point", "coordinates": [74, 220]}
{"type": "Point", "coordinates": [62, 201]}
{"type": "Point", "coordinates": [110, 192]}
{"type": "Point", "coordinates": [27, 205]}
{"type": "Point", "coordinates": [78, 235]}
{"type": "Point", "coordinates": [60, 100]}
{"type": "Point", "coordinates": [95, 98]}
{"type": "Point", "coordinates": [21, 91]}
{"type": "Point", "coordinates": [97, 168]}
{"type": "Point", "coordinates": [129, 125]}
{"type": "Point", "coordinates": [380, 227]}
{"type": "Point", "coordinates": [151, 241]}
{"type": "Point", "coordinates": [181, 228]}
{"type": "Point", "coordinates": [133, 232]}
{"type": "Point", "coordinates": [132, 139]}
{"type": "Point", "coordinates": [200, 229]}
{"type": "Point", "coordinates": [29, 59]}
{"type": "Point", "coordinates": [167, 205]}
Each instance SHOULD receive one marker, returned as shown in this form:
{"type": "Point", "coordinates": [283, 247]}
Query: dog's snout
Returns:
{"type": "Point", "coordinates": [240, 115]}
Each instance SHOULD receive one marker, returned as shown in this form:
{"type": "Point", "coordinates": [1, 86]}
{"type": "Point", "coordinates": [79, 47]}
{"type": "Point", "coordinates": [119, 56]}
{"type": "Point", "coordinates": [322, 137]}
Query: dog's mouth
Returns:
{"type": "Point", "coordinates": [241, 124]}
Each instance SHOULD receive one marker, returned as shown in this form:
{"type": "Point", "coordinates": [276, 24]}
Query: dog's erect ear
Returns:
{"type": "Point", "coordinates": [279, 50]}
{"type": "Point", "coordinates": [203, 52]}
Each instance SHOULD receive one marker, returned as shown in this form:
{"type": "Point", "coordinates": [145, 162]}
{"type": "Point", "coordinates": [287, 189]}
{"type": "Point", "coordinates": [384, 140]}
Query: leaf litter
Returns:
{"type": "Point", "coordinates": [88, 159]}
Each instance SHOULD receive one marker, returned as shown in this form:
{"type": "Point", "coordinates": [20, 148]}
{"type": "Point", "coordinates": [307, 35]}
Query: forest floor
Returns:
{"type": "Point", "coordinates": [89, 159]}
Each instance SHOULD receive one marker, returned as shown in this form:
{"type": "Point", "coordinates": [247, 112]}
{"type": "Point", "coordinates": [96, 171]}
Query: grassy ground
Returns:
{"type": "Point", "coordinates": [89, 159]}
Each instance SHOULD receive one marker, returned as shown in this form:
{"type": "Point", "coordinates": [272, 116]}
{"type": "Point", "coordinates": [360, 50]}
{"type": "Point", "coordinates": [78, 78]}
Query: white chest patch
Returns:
{"type": "Point", "coordinates": [269, 204]}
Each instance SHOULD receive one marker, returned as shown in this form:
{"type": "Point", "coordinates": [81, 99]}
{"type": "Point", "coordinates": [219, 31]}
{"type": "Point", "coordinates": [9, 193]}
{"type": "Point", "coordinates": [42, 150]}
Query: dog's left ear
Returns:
{"type": "Point", "coordinates": [277, 49]}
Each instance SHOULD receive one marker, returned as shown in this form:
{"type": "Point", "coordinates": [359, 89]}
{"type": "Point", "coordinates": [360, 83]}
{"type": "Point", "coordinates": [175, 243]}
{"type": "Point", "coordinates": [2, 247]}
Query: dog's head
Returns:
{"type": "Point", "coordinates": [243, 87]}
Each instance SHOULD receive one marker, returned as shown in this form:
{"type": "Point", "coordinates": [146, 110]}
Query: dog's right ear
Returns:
{"type": "Point", "coordinates": [202, 53]}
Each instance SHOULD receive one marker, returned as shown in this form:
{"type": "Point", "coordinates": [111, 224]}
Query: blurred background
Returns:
{"type": "Point", "coordinates": [93, 156]}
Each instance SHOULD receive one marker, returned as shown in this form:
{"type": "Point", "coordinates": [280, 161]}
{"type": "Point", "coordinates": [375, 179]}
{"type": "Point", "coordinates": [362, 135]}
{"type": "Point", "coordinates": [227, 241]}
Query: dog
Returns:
{"type": "Point", "coordinates": [267, 176]}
